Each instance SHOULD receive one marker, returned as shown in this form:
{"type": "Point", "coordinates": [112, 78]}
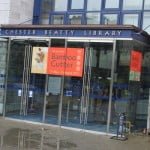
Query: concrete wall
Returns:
{"type": "Point", "coordinates": [21, 12]}
{"type": "Point", "coordinates": [4, 11]}
{"type": "Point", "coordinates": [16, 11]}
{"type": "Point", "coordinates": [12, 12]}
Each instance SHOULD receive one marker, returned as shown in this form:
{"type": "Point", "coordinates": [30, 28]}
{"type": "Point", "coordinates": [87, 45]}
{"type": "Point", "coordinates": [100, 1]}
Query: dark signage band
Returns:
{"type": "Point", "coordinates": [66, 33]}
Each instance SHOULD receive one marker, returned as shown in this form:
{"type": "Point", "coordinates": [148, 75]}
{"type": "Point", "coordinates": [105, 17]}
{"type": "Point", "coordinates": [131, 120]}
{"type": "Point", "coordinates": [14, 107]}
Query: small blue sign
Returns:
{"type": "Point", "coordinates": [68, 93]}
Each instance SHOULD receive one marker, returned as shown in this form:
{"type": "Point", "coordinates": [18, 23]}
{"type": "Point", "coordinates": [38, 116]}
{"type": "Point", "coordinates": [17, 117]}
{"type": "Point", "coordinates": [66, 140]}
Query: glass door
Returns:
{"type": "Point", "coordinates": [86, 99]}
{"type": "Point", "coordinates": [34, 83]}
{"type": "Point", "coordinates": [15, 78]}
{"type": "Point", "coordinates": [73, 108]}
{"type": "Point", "coordinates": [25, 90]}
{"type": "Point", "coordinates": [98, 90]}
{"type": "Point", "coordinates": [53, 89]}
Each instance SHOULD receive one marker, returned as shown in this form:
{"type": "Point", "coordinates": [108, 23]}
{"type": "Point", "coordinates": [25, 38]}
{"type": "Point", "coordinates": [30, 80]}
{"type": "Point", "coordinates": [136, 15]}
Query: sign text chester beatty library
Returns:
{"type": "Point", "coordinates": [65, 32]}
{"type": "Point", "coordinates": [58, 61]}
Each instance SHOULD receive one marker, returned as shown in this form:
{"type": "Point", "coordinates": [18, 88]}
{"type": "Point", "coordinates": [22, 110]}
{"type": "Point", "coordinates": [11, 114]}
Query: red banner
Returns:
{"type": "Point", "coordinates": [65, 61]}
{"type": "Point", "coordinates": [136, 61]}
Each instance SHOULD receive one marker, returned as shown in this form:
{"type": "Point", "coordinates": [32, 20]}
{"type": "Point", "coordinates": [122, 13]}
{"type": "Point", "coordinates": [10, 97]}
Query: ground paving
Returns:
{"type": "Point", "coordinates": [16, 135]}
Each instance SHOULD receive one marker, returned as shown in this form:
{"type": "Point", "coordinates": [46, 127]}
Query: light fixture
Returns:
{"type": "Point", "coordinates": [108, 78]}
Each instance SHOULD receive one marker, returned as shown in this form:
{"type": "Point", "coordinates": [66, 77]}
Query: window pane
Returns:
{"type": "Point", "coordinates": [61, 5]}
{"type": "Point", "coordinates": [77, 4]}
{"type": "Point", "coordinates": [112, 4]}
{"type": "Point", "coordinates": [75, 19]}
{"type": "Point", "coordinates": [147, 4]}
{"type": "Point", "coordinates": [93, 18]}
{"type": "Point", "coordinates": [45, 18]}
{"type": "Point", "coordinates": [47, 5]}
{"type": "Point", "coordinates": [57, 19]}
{"type": "Point", "coordinates": [93, 5]}
{"type": "Point", "coordinates": [132, 4]}
{"type": "Point", "coordinates": [146, 23]}
{"type": "Point", "coordinates": [46, 8]}
{"type": "Point", "coordinates": [131, 19]}
{"type": "Point", "coordinates": [110, 19]}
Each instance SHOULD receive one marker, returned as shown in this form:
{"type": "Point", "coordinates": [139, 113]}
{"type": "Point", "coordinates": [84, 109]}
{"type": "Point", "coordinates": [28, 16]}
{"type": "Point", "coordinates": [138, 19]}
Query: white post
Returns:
{"type": "Point", "coordinates": [148, 115]}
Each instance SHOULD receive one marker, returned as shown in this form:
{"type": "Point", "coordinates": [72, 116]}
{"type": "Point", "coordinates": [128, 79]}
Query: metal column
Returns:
{"type": "Point", "coordinates": [61, 94]}
{"type": "Point", "coordinates": [111, 86]}
{"type": "Point", "coordinates": [7, 64]}
{"type": "Point", "coordinates": [45, 96]}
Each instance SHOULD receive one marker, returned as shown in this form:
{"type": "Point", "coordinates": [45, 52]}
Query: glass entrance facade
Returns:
{"type": "Point", "coordinates": [91, 102]}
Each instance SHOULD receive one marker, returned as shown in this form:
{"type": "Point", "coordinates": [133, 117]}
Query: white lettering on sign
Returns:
{"type": "Point", "coordinates": [20, 32]}
{"type": "Point", "coordinates": [59, 32]}
{"type": "Point", "coordinates": [102, 32]}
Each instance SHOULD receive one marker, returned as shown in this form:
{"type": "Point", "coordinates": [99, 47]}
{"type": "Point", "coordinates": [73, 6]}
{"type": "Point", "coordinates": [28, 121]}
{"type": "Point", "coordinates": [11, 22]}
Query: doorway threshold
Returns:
{"type": "Point", "coordinates": [62, 127]}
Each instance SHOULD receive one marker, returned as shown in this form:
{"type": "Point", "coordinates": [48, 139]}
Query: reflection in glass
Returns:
{"type": "Point", "coordinates": [93, 18]}
{"type": "Point", "coordinates": [75, 19]}
{"type": "Point", "coordinates": [110, 19]}
{"type": "Point", "coordinates": [77, 4]}
{"type": "Point", "coordinates": [130, 5]}
{"type": "Point", "coordinates": [61, 5]}
{"type": "Point", "coordinates": [131, 19]}
{"type": "Point", "coordinates": [146, 22]}
{"type": "Point", "coordinates": [57, 19]}
{"type": "Point", "coordinates": [112, 4]}
{"type": "Point", "coordinates": [147, 4]}
{"type": "Point", "coordinates": [105, 59]}
{"type": "Point", "coordinates": [93, 5]}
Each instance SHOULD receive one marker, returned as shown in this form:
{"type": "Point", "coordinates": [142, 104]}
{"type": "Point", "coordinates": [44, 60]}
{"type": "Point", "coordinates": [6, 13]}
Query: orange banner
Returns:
{"type": "Point", "coordinates": [65, 61]}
